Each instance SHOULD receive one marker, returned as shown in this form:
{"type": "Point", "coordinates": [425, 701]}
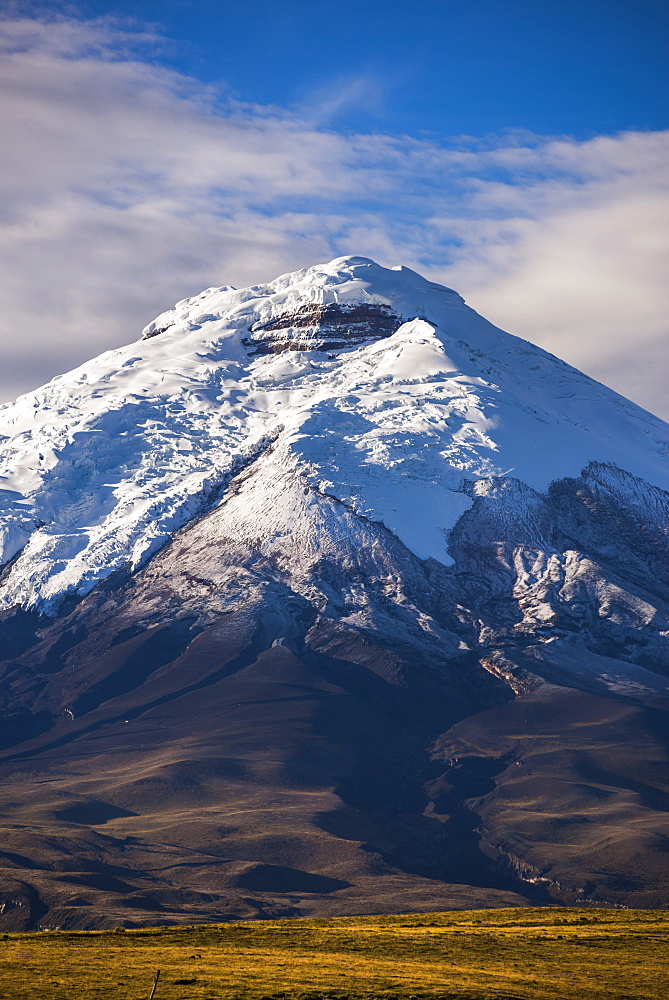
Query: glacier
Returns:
{"type": "Point", "coordinates": [385, 389]}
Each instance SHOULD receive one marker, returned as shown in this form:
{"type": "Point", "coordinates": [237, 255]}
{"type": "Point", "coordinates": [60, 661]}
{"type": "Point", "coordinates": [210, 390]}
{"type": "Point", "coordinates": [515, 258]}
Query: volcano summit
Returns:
{"type": "Point", "coordinates": [327, 596]}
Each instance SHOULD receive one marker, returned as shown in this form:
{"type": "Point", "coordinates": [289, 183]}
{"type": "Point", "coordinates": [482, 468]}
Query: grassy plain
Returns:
{"type": "Point", "coordinates": [504, 954]}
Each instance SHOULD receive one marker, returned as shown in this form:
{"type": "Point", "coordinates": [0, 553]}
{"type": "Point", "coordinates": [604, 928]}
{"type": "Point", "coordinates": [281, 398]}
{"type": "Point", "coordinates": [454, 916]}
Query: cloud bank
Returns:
{"type": "Point", "coordinates": [128, 186]}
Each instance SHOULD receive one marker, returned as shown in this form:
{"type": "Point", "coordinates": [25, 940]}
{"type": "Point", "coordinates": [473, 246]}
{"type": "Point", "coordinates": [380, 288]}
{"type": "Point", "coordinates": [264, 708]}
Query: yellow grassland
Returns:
{"type": "Point", "coordinates": [502, 954]}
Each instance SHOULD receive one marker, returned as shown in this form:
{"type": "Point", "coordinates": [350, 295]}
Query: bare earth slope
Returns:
{"type": "Point", "coordinates": [371, 628]}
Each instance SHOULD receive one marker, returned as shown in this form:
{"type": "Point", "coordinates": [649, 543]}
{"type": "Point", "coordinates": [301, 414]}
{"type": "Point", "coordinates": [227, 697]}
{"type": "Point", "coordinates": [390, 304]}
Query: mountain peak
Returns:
{"type": "Point", "coordinates": [384, 388]}
{"type": "Point", "coordinates": [348, 301]}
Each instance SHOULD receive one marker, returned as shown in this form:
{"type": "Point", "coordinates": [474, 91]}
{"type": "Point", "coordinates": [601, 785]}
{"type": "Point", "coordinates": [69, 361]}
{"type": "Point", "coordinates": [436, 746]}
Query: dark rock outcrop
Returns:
{"type": "Point", "coordinates": [323, 327]}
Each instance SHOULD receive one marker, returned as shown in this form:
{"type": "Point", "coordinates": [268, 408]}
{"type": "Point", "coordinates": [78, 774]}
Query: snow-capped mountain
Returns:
{"type": "Point", "coordinates": [386, 390]}
{"type": "Point", "coordinates": [328, 596]}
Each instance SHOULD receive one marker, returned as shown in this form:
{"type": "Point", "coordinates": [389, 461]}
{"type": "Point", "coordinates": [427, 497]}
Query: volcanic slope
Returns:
{"type": "Point", "coordinates": [329, 597]}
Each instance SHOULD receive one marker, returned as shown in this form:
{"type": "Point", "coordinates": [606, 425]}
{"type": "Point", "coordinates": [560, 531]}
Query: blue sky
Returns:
{"type": "Point", "coordinates": [516, 151]}
{"type": "Point", "coordinates": [446, 67]}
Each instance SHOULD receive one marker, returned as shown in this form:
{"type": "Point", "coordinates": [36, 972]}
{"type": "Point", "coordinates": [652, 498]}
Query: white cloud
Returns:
{"type": "Point", "coordinates": [578, 263]}
{"type": "Point", "coordinates": [356, 92]}
{"type": "Point", "coordinates": [129, 186]}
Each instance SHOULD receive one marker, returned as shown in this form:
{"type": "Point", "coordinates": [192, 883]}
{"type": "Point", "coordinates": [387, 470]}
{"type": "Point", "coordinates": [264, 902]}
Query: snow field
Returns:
{"type": "Point", "coordinates": [99, 467]}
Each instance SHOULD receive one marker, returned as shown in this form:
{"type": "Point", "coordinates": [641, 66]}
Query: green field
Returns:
{"type": "Point", "coordinates": [514, 953]}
